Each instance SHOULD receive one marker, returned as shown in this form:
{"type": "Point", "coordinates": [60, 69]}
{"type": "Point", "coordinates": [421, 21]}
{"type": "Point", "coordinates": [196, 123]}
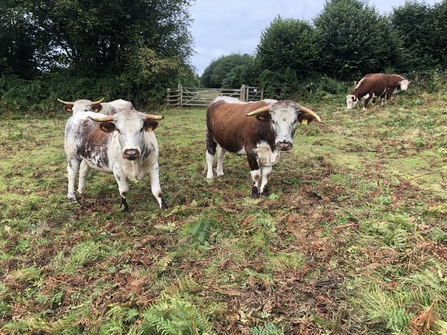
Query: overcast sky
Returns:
{"type": "Point", "coordinates": [223, 27]}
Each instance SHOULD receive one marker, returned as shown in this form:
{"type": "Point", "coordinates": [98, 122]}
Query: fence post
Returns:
{"type": "Point", "coordinates": [180, 93]}
{"type": "Point", "coordinates": [262, 93]}
{"type": "Point", "coordinates": [242, 95]}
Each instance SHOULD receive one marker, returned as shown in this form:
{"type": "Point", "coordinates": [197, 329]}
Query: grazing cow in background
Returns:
{"type": "Point", "coordinates": [82, 105]}
{"type": "Point", "coordinates": [260, 130]}
{"type": "Point", "coordinates": [394, 83]}
{"type": "Point", "coordinates": [107, 108]}
{"type": "Point", "coordinates": [374, 85]}
{"type": "Point", "coordinates": [123, 144]}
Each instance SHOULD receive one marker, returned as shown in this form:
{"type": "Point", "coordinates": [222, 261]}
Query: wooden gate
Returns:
{"type": "Point", "coordinates": [201, 97]}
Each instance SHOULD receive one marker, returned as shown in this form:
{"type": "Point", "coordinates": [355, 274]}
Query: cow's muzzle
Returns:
{"type": "Point", "coordinates": [284, 145]}
{"type": "Point", "coordinates": [131, 154]}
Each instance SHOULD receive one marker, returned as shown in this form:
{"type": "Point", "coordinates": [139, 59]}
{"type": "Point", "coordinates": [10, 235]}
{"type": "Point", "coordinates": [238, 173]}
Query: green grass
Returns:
{"type": "Point", "coordinates": [352, 239]}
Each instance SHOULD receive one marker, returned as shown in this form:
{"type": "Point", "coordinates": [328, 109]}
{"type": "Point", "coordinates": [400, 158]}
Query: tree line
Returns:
{"type": "Point", "coordinates": [346, 40]}
{"type": "Point", "coordinates": [71, 49]}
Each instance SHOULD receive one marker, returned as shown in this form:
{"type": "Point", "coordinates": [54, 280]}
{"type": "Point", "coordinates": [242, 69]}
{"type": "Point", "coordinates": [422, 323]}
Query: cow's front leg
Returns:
{"type": "Point", "coordinates": [84, 169]}
{"type": "Point", "coordinates": [389, 93]}
{"type": "Point", "coordinates": [366, 100]}
{"type": "Point", "coordinates": [72, 169]}
{"type": "Point", "coordinates": [255, 172]}
{"type": "Point", "coordinates": [123, 188]}
{"type": "Point", "coordinates": [266, 172]}
{"type": "Point", "coordinates": [154, 175]}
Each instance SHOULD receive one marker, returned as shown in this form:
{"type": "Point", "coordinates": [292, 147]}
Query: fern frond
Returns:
{"type": "Point", "coordinates": [399, 320]}
{"type": "Point", "coordinates": [175, 317]}
{"type": "Point", "coordinates": [268, 329]}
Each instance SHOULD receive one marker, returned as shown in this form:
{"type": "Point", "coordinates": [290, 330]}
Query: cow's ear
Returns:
{"type": "Point", "coordinates": [305, 118]}
{"type": "Point", "coordinates": [68, 108]}
{"type": "Point", "coordinates": [150, 125]}
{"type": "Point", "coordinates": [264, 117]}
{"type": "Point", "coordinates": [107, 127]}
{"type": "Point", "coordinates": [97, 108]}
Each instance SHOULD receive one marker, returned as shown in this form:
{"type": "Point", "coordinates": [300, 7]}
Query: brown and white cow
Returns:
{"type": "Point", "coordinates": [123, 144]}
{"type": "Point", "coordinates": [107, 108]}
{"type": "Point", "coordinates": [374, 85]}
{"type": "Point", "coordinates": [260, 130]}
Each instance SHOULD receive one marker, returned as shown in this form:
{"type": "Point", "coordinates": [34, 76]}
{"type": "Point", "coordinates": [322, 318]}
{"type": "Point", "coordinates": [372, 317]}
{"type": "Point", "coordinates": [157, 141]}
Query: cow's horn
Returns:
{"type": "Point", "coordinates": [101, 118]}
{"type": "Point", "coordinates": [311, 112]}
{"type": "Point", "coordinates": [154, 117]}
{"type": "Point", "coordinates": [260, 110]}
{"type": "Point", "coordinates": [97, 102]}
{"type": "Point", "coordinates": [65, 102]}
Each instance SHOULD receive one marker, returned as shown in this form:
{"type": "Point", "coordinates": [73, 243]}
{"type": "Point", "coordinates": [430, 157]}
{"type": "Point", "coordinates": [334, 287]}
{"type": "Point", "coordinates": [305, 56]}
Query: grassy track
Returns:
{"type": "Point", "coordinates": [352, 240]}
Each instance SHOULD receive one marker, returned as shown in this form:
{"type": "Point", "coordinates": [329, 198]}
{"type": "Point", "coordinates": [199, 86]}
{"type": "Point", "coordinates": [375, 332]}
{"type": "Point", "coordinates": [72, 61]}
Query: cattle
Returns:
{"type": "Point", "coordinates": [123, 144]}
{"type": "Point", "coordinates": [374, 85]}
{"type": "Point", "coordinates": [260, 130]}
{"type": "Point", "coordinates": [112, 107]}
{"type": "Point", "coordinates": [107, 108]}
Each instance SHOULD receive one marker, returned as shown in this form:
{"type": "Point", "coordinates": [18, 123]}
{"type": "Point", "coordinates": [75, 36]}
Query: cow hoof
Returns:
{"type": "Point", "coordinates": [125, 205]}
{"type": "Point", "coordinates": [254, 193]}
{"type": "Point", "coordinates": [163, 205]}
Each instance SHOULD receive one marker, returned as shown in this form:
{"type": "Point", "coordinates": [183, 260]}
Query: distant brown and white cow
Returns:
{"type": "Point", "coordinates": [107, 108]}
{"type": "Point", "coordinates": [260, 130]}
{"type": "Point", "coordinates": [123, 144]}
{"type": "Point", "coordinates": [374, 85]}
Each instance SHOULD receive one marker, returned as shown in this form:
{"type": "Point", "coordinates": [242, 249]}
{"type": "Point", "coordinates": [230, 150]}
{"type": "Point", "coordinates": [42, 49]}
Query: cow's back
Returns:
{"type": "Point", "coordinates": [372, 84]}
{"type": "Point", "coordinates": [221, 113]}
{"type": "Point", "coordinates": [230, 126]}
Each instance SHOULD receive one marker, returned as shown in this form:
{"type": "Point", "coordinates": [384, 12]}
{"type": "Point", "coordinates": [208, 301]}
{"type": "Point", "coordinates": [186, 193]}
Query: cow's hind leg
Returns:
{"type": "Point", "coordinates": [84, 169]}
{"type": "Point", "coordinates": [210, 152]}
{"type": "Point", "coordinates": [220, 158]}
{"type": "Point", "coordinates": [209, 165]}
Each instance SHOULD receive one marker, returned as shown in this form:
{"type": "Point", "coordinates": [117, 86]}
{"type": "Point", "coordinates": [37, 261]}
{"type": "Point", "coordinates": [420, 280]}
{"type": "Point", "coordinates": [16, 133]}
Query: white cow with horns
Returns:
{"type": "Point", "coordinates": [107, 108]}
{"type": "Point", "coordinates": [123, 144]}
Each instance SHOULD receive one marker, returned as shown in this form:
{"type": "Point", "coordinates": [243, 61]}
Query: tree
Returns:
{"type": "Point", "coordinates": [356, 40]}
{"type": "Point", "coordinates": [95, 37]}
{"type": "Point", "coordinates": [247, 73]}
{"type": "Point", "coordinates": [148, 75]}
{"type": "Point", "coordinates": [289, 45]}
{"type": "Point", "coordinates": [217, 72]}
{"type": "Point", "coordinates": [422, 30]}
{"type": "Point", "coordinates": [18, 41]}
{"type": "Point", "coordinates": [440, 25]}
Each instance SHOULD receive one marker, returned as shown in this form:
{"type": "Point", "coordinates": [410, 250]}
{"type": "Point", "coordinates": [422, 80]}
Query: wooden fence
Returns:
{"type": "Point", "coordinates": [201, 97]}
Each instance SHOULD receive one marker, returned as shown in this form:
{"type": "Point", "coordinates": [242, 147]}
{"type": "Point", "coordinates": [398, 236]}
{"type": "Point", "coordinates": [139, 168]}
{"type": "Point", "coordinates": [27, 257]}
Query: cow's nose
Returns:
{"type": "Point", "coordinates": [285, 145]}
{"type": "Point", "coordinates": [131, 154]}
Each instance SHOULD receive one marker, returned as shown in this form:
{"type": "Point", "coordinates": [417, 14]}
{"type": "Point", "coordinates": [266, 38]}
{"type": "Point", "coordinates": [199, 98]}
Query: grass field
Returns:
{"type": "Point", "coordinates": [352, 239]}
